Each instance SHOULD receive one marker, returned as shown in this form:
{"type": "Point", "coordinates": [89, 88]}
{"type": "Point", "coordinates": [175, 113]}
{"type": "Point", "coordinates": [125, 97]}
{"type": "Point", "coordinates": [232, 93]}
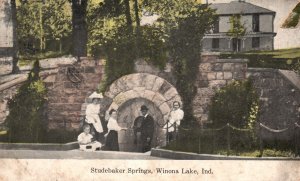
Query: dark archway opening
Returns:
{"type": "Point", "coordinates": [127, 113]}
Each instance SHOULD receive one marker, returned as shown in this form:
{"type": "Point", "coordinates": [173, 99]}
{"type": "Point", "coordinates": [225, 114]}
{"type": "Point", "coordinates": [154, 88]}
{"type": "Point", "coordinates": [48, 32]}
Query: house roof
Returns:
{"type": "Point", "coordinates": [236, 7]}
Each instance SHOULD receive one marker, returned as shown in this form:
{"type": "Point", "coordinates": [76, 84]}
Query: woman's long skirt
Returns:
{"type": "Point", "coordinates": [112, 142]}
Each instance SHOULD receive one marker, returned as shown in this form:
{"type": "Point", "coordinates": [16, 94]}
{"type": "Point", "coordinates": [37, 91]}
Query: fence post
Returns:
{"type": "Point", "coordinates": [175, 135]}
{"type": "Point", "coordinates": [260, 142]}
{"type": "Point", "coordinates": [175, 131]}
{"type": "Point", "coordinates": [228, 139]}
{"type": "Point", "coordinates": [199, 140]}
{"type": "Point", "coordinates": [214, 141]}
{"type": "Point", "coordinates": [167, 136]}
{"type": "Point", "coordinates": [295, 139]}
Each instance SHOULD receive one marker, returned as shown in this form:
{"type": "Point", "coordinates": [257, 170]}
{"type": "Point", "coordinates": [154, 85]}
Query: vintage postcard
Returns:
{"type": "Point", "coordinates": [150, 89]}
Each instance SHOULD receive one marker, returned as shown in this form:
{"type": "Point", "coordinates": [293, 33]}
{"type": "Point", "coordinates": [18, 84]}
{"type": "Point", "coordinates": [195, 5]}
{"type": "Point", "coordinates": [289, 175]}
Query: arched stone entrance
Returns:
{"type": "Point", "coordinates": [131, 91]}
{"type": "Point", "coordinates": [127, 113]}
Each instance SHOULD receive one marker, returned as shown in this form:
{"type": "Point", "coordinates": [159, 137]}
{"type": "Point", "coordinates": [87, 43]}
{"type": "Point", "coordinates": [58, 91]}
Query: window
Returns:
{"type": "Point", "coordinates": [255, 42]}
{"type": "Point", "coordinates": [216, 26]}
{"type": "Point", "coordinates": [255, 23]}
{"type": "Point", "coordinates": [215, 43]}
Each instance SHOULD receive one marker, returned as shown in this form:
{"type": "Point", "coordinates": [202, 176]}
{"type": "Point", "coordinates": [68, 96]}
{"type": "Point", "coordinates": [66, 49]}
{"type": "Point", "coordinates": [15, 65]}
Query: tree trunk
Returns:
{"type": "Point", "coordinates": [79, 27]}
{"type": "Point", "coordinates": [137, 20]}
{"type": "Point", "coordinates": [127, 13]}
{"type": "Point", "coordinates": [15, 36]}
{"type": "Point", "coordinates": [60, 46]}
{"type": "Point", "coordinates": [41, 28]}
{"type": "Point", "coordinates": [136, 10]}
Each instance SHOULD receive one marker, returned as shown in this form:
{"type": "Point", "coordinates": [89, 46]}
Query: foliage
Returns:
{"type": "Point", "coordinates": [185, 46]}
{"type": "Point", "coordinates": [27, 58]}
{"type": "Point", "coordinates": [237, 29]}
{"type": "Point", "coordinates": [236, 103]}
{"type": "Point", "coordinates": [277, 59]}
{"type": "Point", "coordinates": [256, 153]}
{"type": "Point", "coordinates": [25, 120]}
{"type": "Point", "coordinates": [296, 67]}
{"type": "Point", "coordinates": [120, 55]}
{"type": "Point", "coordinates": [175, 35]}
{"type": "Point", "coordinates": [204, 141]}
{"type": "Point", "coordinates": [293, 20]}
{"type": "Point", "coordinates": [40, 21]}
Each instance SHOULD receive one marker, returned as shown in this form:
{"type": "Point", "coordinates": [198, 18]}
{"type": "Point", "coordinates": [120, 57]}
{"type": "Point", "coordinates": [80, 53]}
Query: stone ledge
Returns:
{"type": "Point", "coordinates": [262, 70]}
{"type": "Point", "coordinates": [176, 155]}
{"type": "Point", "coordinates": [206, 53]}
{"type": "Point", "coordinates": [14, 82]}
{"type": "Point", "coordinates": [292, 77]}
{"type": "Point", "coordinates": [22, 78]}
{"type": "Point", "coordinates": [232, 61]}
{"type": "Point", "coordinates": [39, 146]}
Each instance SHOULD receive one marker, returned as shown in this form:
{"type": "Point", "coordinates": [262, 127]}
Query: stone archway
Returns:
{"type": "Point", "coordinates": [138, 89]}
{"type": "Point", "coordinates": [127, 113]}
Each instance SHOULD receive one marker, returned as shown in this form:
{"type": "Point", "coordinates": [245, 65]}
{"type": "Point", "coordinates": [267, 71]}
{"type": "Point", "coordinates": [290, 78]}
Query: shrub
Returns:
{"type": "Point", "coordinates": [237, 104]}
{"type": "Point", "coordinates": [26, 110]}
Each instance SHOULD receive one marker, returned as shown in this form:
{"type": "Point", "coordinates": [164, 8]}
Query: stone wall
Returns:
{"type": "Point", "coordinates": [65, 98]}
{"type": "Point", "coordinates": [279, 92]}
{"type": "Point", "coordinates": [279, 101]}
{"type": "Point", "coordinates": [213, 74]}
{"type": "Point", "coordinates": [142, 66]}
{"type": "Point", "coordinates": [6, 38]}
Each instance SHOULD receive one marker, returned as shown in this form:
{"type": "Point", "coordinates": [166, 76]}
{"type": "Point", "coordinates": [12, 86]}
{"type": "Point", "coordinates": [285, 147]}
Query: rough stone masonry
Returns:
{"type": "Point", "coordinates": [67, 91]}
{"type": "Point", "coordinates": [279, 90]}
{"type": "Point", "coordinates": [215, 73]}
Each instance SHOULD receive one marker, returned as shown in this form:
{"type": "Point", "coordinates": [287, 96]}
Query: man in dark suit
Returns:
{"type": "Point", "coordinates": [145, 125]}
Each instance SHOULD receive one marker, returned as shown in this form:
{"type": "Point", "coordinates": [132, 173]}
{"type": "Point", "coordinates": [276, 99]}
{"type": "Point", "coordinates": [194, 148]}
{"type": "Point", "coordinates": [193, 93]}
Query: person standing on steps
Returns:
{"type": "Point", "coordinates": [146, 129]}
{"type": "Point", "coordinates": [112, 142]}
{"type": "Point", "coordinates": [174, 119]}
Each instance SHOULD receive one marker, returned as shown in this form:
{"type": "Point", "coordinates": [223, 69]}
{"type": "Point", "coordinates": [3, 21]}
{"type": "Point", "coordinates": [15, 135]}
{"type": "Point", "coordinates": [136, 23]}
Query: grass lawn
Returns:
{"type": "Point", "coordinates": [288, 59]}
{"type": "Point", "coordinates": [292, 53]}
{"type": "Point", "coordinates": [193, 148]}
{"type": "Point", "coordinates": [256, 153]}
{"type": "Point", "coordinates": [26, 59]}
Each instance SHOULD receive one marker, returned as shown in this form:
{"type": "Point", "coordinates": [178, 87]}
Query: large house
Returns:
{"type": "Point", "coordinates": [257, 21]}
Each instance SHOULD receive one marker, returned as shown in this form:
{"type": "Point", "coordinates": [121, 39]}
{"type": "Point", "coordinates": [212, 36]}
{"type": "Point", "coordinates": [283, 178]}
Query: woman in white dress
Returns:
{"type": "Point", "coordinates": [112, 142]}
{"type": "Point", "coordinates": [92, 115]}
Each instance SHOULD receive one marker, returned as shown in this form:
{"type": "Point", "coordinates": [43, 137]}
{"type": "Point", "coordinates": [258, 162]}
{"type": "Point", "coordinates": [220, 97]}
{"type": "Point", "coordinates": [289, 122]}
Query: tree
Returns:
{"type": "Point", "coordinates": [39, 21]}
{"type": "Point", "coordinates": [57, 20]}
{"type": "Point", "coordinates": [79, 29]}
{"type": "Point", "coordinates": [15, 35]}
{"type": "Point", "coordinates": [26, 115]}
{"type": "Point", "coordinates": [176, 35]}
{"type": "Point", "coordinates": [294, 17]}
{"type": "Point", "coordinates": [187, 29]}
{"type": "Point", "coordinates": [237, 29]}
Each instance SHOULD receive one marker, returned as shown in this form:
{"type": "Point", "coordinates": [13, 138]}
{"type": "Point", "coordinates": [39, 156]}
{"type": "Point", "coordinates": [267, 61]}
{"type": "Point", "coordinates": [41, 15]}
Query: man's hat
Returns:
{"type": "Point", "coordinates": [144, 108]}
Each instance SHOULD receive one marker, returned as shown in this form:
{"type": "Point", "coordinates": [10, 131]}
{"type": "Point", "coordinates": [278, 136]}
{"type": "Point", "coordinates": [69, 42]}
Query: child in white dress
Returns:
{"type": "Point", "coordinates": [85, 140]}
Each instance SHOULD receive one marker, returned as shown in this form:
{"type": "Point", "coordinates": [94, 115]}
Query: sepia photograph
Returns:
{"type": "Point", "coordinates": [150, 89]}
